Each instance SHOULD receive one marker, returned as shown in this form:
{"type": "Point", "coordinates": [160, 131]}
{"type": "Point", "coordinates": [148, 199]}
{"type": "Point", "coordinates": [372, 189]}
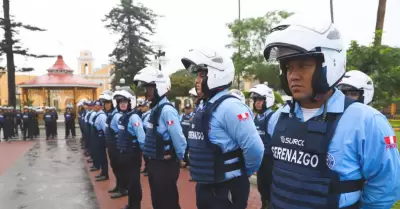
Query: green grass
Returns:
{"type": "Point", "coordinates": [397, 204]}
{"type": "Point", "coordinates": [395, 123]}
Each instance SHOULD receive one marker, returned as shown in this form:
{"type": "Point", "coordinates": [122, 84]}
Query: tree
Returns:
{"type": "Point", "coordinates": [380, 20]}
{"type": "Point", "coordinates": [250, 34]}
{"type": "Point", "coordinates": [134, 23]}
{"type": "Point", "coordinates": [382, 64]}
{"type": "Point", "coordinates": [181, 83]}
{"type": "Point", "coordinates": [10, 46]}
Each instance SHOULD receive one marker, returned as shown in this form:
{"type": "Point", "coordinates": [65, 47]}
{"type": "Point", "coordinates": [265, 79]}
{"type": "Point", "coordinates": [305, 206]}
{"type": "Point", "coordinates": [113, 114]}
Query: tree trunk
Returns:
{"type": "Point", "coordinates": [8, 48]}
{"type": "Point", "coordinates": [380, 19]}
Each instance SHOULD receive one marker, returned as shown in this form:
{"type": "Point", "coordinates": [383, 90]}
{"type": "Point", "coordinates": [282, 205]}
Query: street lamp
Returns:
{"type": "Point", "coordinates": [159, 54]}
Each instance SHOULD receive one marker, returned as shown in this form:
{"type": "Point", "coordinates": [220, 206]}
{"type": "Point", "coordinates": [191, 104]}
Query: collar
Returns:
{"type": "Point", "coordinates": [335, 104]}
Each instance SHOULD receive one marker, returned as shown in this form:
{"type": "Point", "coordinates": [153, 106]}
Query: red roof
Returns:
{"type": "Point", "coordinates": [59, 75]}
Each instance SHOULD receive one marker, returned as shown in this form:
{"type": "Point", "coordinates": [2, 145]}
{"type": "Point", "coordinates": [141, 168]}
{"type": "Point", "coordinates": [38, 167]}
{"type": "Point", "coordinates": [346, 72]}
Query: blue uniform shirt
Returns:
{"type": "Point", "coordinates": [146, 117]}
{"type": "Point", "coordinates": [170, 128]}
{"type": "Point", "coordinates": [114, 122]}
{"type": "Point", "coordinates": [87, 115]}
{"type": "Point", "coordinates": [100, 122]}
{"type": "Point", "coordinates": [358, 150]}
{"type": "Point", "coordinates": [91, 117]}
{"type": "Point", "coordinates": [230, 133]}
{"type": "Point", "coordinates": [135, 128]}
{"type": "Point", "coordinates": [190, 114]}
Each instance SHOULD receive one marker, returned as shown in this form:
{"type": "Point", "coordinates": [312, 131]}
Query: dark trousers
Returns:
{"type": "Point", "coordinates": [163, 176]}
{"type": "Point", "coordinates": [70, 128]}
{"type": "Point", "coordinates": [49, 126]}
{"type": "Point", "coordinates": [232, 194]}
{"type": "Point", "coordinates": [102, 157]}
{"type": "Point", "coordinates": [130, 176]}
{"type": "Point", "coordinates": [114, 163]}
{"type": "Point", "coordinates": [264, 178]}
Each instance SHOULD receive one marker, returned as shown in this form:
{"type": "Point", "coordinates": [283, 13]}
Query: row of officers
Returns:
{"type": "Point", "coordinates": [28, 122]}
{"type": "Point", "coordinates": [325, 149]}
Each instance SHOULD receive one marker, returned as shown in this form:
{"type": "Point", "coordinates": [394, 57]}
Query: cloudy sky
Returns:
{"type": "Point", "coordinates": [75, 25]}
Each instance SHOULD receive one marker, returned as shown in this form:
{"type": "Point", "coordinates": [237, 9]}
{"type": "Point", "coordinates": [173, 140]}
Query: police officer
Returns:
{"type": "Point", "coordinates": [18, 120]}
{"type": "Point", "coordinates": [358, 86]}
{"type": "Point", "coordinates": [263, 99]}
{"type": "Point", "coordinates": [165, 143]}
{"type": "Point", "coordinates": [330, 152]}
{"type": "Point", "coordinates": [224, 146]}
{"type": "Point", "coordinates": [113, 153]}
{"type": "Point", "coordinates": [54, 111]}
{"type": "Point", "coordinates": [145, 109]}
{"type": "Point", "coordinates": [98, 141]}
{"type": "Point", "coordinates": [88, 140]}
{"type": "Point", "coordinates": [130, 140]}
{"type": "Point", "coordinates": [26, 119]}
{"type": "Point", "coordinates": [185, 120]}
{"type": "Point", "coordinates": [48, 118]}
{"type": "Point", "coordinates": [35, 123]}
{"type": "Point", "coordinates": [8, 125]}
{"type": "Point", "coordinates": [81, 115]}
{"type": "Point", "coordinates": [69, 120]}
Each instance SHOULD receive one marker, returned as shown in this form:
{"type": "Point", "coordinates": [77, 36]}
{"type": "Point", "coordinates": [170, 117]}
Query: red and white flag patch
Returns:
{"type": "Point", "coordinates": [136, 124]}
{"type": "Point", "coordinates": [243, 116]}
{"type": "Point", "coordinates": [391, 142]}
{"type": "Point", "coordinates": [170, 122]}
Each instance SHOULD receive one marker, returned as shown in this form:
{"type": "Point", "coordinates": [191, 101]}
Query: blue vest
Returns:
{"type": "Point", "coordinates": [125, 141]}
{"type": "Point", "coordinates": [301, 176]}
{"type": "Point", "coordinates": [185, 123]}
{"type": "Point", "coordinates": [88, 128]}
{"type": "Point", "coordinates": [207, 162]}
{"type": "Point", "coordinates": [68, 116]}
{"type": "Point", "coordinates": [96, 136]}
{"type": "Point", "coordinates": [154, 145]}
{"type": "Point", "coordinates": [25, 117]}
{"type": "Point", "coordinates": [1, 118]}
{"type": "Point", "coordinates": [110, 133]}
{"type": "Point", "coordinates": [48, 117]}
{"type": "Point", "coordinates": [262, 128]}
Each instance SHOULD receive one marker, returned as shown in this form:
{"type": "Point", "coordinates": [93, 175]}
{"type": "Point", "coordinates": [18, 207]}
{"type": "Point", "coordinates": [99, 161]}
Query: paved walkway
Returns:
{"type": "Point", "coordinates": [53, 174]}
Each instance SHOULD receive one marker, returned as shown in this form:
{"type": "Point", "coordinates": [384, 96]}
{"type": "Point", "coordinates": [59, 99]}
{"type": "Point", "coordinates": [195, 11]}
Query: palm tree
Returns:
{"type": "Point", "coordinates": [380, 19]}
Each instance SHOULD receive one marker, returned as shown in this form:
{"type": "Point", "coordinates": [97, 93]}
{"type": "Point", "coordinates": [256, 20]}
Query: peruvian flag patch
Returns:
{"type": "Point", "coordinates": [136, 124]}
{"type": "Point", "coordinates": [391, 142]}
{"type": "Point", "coordinates": [243, 116]}
{"type": "Point", "coordinates": [170, 122]}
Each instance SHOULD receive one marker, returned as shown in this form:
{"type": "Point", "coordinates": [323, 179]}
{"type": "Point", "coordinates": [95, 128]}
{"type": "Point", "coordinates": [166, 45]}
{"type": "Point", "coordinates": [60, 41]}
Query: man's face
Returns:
{"type": "Point", "coordinates": [299, 75]}
{"type": "Point", "coordinates": [199, 79]}
{"type": "Point", "coordinates": [188, 110]}
{"type": "Point", "coordinates": [149, 91]}
{"type": "Point", "coordinates": [108, 105]}
{"type": "Point", "coordinates": [97, 108]}
{"type": "Point", "coordinates": [85, 107]}
{"type": "Point", "coordinates": [123, 105]}
{"type": "Point", "coordinates": [353, 94]}
{"type": "Point", "coordinates": [259, 103]}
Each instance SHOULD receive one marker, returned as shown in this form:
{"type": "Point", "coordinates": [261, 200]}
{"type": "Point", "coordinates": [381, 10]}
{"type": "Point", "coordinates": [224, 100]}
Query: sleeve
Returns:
{"type": "Point", "coordinates": [101, 124]}
{"type": "Point", "coordinates": [380, 169]}
{"type": "Point", "coordinates": [135, 127]}
{"type": "Point", "coordinates": [171, 119]}
{"type": "Point", "coordinates": [241, 128]}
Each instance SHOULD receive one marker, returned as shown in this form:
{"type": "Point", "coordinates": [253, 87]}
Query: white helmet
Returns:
{"type": "Point", "coordinates": [301, 35]}
{"type": "Point", "coordinates": [140, 101]}
{"type": "Point", "coordinates": [193, 92]}
{"type": "Point", "coordinates": [106, 95]}
{"type": "Point", "coordinates": [238, 94]}
{"type": "Point", "coordinates": [262, 90]}
{"type": "Point", "coordinates": [151, 75]}
{"type": "Point", "coordinates": [127, 93]}
{"type": "Point", "coordinates": [357, 80]}
{"type": "Point", "coordinates": [220, 69]}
